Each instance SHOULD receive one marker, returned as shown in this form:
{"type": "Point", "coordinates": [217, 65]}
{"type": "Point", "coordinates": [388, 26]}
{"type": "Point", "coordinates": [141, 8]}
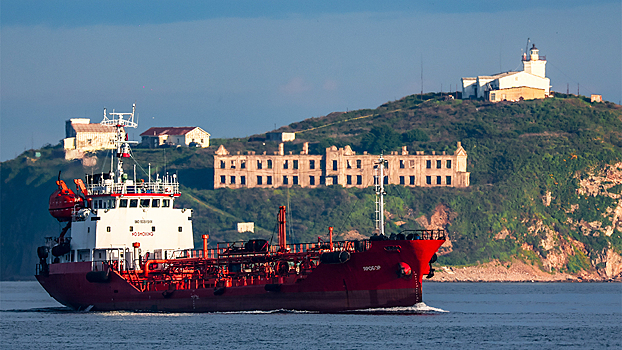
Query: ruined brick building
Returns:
{"type": "Point", "coordinates": [340, 166]}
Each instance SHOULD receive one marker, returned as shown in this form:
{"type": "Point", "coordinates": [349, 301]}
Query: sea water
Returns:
{"type": "Point", "coordinates": [454, 316]}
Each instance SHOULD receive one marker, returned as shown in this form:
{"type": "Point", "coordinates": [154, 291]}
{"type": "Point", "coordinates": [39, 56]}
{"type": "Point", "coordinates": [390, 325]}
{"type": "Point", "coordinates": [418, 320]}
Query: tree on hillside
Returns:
{"type": "Point", "coordinates": [415, 135]}
{"type": "Point", "coordinates": [381, 138]}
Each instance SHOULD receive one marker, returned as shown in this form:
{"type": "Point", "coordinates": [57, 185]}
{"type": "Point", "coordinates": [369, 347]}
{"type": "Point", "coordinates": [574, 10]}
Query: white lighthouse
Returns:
{"type": "Point", "coordinates": [534, 63]}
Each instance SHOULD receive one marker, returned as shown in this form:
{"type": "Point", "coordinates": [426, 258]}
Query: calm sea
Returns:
{"type": "Point", "coordinates": [455, 315]}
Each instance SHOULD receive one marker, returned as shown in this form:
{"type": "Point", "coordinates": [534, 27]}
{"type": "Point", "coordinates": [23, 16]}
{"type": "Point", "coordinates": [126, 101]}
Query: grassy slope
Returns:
{"type": "Point", "coordinates": [517, 153]}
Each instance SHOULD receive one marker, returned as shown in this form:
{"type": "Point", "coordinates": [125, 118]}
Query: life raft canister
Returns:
{"type": "Point", "coordinates": [404, 270]}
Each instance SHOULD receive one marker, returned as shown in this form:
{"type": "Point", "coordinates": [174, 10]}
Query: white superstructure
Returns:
{"type": "Point", "coordinates": [125, 217]}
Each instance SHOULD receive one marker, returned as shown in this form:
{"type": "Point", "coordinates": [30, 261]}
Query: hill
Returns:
{"type": "Point", "coordinates": [546, 182]}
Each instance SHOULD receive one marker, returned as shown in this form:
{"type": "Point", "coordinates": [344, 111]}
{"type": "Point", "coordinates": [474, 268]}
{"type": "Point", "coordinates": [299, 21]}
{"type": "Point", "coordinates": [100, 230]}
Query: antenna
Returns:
{"type": "Point", "coordinates": [526, 49]}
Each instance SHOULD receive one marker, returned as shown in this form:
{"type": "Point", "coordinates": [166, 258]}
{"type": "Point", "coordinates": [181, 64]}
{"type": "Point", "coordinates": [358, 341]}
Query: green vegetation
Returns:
{"type": "Point", "coordinates": [517, 153]}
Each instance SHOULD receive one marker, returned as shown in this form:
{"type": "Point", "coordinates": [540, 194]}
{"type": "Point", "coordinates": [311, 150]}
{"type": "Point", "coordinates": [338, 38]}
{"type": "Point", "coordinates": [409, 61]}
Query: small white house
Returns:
{"type": "Point", "coordinates": [175, 136]}
{"type": "Point", "coordinates": [530, 83]}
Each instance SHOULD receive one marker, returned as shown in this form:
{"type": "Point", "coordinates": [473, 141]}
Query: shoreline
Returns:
{"type": "Point", "coordinates": [516, 271]}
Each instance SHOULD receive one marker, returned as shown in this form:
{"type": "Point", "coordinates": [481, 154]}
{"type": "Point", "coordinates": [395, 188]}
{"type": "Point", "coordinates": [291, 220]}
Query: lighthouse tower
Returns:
{"type": "Point", "coordinates": [534, 63]}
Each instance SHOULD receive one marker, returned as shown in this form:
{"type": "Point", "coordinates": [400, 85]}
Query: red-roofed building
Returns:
{"type": "Point", "coordinates": [191, 136]}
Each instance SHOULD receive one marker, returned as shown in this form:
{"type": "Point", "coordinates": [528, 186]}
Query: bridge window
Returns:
{"type": "Point", "coordinates": [122, 203]}
{"type": "Point", "coordinates": [144, 203]}
{"type": "Point", "coordinates": [155, 203]}
{"type": "Point", "coordinates": [133, 203]}
{"type": "Point", "coordinates": [166, 203]}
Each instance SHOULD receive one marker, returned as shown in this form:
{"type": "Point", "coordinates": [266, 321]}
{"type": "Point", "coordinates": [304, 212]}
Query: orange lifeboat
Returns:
{"type": "Point", "coordinates": [63, 201]}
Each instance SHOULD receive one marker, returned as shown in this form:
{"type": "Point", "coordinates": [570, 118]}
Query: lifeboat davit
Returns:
{"type": "Point", "coordinates": [63, 201]}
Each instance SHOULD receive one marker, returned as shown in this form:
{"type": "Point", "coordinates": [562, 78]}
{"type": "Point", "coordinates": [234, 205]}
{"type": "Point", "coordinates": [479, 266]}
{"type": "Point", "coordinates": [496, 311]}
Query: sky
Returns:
{"type": "Point", "coordinates": [241, 67]}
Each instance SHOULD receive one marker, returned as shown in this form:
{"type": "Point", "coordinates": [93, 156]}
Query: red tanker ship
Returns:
{"type": "Point", "coordinates": [125, 247]}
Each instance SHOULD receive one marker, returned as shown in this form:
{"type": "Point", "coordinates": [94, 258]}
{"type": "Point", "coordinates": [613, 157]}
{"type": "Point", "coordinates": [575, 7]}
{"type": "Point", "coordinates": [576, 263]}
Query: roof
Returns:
{"type": "Point", "coordinates": [177, 130]}
{"type": "Point", "coordinates": [93, 128]}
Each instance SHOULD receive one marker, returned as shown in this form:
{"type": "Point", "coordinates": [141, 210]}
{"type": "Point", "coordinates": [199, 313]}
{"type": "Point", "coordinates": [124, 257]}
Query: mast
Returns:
{"type": "Point", "coordinates": [380, 192]}
{"type": "Point", "coordinates": [121, 140]}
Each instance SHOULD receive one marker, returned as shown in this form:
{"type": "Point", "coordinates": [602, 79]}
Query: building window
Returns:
{"type": "Point", "coordinates": [312, 180]}
{"type": "Point", "coordinates": [222, 179]}
{"type": "Point", "coordinates": [448, 180]}
{"type": "Point", "coordinates": [312, 164]}
{"type": "Point", "coordinates": [402, 165]}
{"type": "Point", "coordinates": [268, 180]}
{"type": "Point", "coordinates": [335, 179]}
{"type": "Point", "coordinates": [233, 164]}
{"type": "Point", "coordinates": [295, 164]}
{"type": "Point", "coordinates": [242, 164]}
{"type": "Point", "coordinates": [402, 182]}
{"type": "Point", "coordinates": [449, 164]}
{"type": "Point", "coordinates": [348, 164]}
{"type": "Point", "coordinates": [428, 164]}
{"type": "Point", "coordinates": [233, 180]}
{"type": "Point", "coordinates": [386, 180]}
{"type": "Point", "coordinates": [334, 165]}
{"type": "Point", "coordinates": [242, 180]}
{"type": "Point", "coordinates": [222, 164]}
{"type": "Point", "coordinates": [295, 182]}
{"type": "Point", "coordinates": [428, 180]}
{"type": "Point", "coordinates": [322, 180]}
{"type": "Point", "coordinates": [358, 163]}
{"type": "Point", "coordinates": [259, 180]}
{"type": "Point", "coordinates": [285, 180]}
{"type": "Point", "coordinates": [269, 163]}
{"type": "Point", "coordinates": [412, 163]}
{"type": "Point", "coordinates": [438, 180]}
{"type": "Point", "coordinates": [438, 164]}
{"type": "Point", "coordinates": [359, 179]}
{"type": "Point", "coordinates": [412, 180]}
{"type": "Point", "coordinates": [285, 165]}
{"type": "Point", "coordinates": [259, 165]}
{"type": "Point", "coordinates": [349, 179]}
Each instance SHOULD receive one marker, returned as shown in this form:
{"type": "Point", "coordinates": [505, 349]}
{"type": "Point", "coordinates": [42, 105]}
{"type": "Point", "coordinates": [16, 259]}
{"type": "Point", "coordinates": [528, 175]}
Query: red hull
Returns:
{"type": "Point", "coordinates": [369, 279]}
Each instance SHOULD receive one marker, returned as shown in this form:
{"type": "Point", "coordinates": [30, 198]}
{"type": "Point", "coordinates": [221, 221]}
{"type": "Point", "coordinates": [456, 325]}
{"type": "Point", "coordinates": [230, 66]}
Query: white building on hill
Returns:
{"type": "Point", "coordinates": [528, 84]}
